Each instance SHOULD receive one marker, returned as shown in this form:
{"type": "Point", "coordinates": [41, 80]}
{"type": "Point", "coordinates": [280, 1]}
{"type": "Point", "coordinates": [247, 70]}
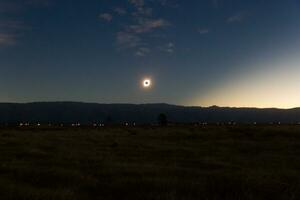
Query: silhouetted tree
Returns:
{"type": "Point", "coordinates": [162, 119]}
{"type": "Point", "coordinates": [108, 120]}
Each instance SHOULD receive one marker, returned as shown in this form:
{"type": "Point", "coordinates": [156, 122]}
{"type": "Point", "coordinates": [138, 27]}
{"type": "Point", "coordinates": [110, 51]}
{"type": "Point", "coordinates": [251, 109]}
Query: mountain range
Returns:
{"type": "Point", "coordinates": [88, 113]}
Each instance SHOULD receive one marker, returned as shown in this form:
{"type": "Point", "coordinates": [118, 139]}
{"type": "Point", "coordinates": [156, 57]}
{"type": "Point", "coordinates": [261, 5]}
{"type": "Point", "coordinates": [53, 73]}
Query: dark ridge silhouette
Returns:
{"type": "Point", "coordinates": [86, 113]}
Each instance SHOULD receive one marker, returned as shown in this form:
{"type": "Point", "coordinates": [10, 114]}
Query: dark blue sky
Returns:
{"type": "Point", "coordinates": [197, 52]}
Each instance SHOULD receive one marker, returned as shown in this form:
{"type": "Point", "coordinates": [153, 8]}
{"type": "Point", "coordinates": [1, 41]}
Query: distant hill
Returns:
{"type": "Point", "coordinates": [87, 113]}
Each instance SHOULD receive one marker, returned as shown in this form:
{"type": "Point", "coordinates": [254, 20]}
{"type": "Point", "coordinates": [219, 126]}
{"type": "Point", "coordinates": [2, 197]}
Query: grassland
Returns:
{"type": "Point", "coordinates": [183, 162]}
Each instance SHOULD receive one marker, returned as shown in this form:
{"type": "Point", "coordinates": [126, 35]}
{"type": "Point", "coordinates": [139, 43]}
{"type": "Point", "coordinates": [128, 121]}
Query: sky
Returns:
{"type": "Point", "coordinates": [237, 53]}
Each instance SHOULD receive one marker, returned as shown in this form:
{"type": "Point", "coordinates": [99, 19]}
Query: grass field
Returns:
{"type": "Point", "coordinates": [184, 162]}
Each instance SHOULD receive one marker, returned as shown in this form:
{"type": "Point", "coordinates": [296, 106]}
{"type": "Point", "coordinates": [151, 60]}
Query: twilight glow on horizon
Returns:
{"type": "Point", "coordinates": [197, 52]}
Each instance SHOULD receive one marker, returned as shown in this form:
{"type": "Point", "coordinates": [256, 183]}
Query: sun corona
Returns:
{"type": "Point", "coordinates": [147, 83]}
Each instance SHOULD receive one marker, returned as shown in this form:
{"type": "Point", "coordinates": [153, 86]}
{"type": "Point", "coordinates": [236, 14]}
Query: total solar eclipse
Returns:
{"type": "Point", "coordinates": [147, 83]}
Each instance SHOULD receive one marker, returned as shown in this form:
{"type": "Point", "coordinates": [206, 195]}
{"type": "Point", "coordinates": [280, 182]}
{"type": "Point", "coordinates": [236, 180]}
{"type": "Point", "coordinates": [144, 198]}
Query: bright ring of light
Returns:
{"type": "Point", "coordinates": [147, 83]}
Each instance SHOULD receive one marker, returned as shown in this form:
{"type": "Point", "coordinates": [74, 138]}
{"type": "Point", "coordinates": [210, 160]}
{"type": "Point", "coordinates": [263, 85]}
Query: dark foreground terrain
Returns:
{"type": "Point", "coordinates": [186, 162]}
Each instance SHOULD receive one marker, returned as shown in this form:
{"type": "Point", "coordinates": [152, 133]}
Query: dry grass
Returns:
{"type": "Point", "coordinates": [186, 162]}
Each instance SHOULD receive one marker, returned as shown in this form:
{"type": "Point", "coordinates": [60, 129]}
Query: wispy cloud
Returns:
{"type": "Point", "coordinates": [168, 48]}
{"type": "Point", "coordinates": [120, 11]}
{"type": "Point", "coordinates": [168, 3]}
{"type": "Point", "coordinates": [7, 39]}
{"type": "Point", "coordinates": [12, 30]}
{"type": "Point", "coordinates": [239, 17]}
{"type": "Point", "coordinates": [203, 31]}
{"type": "Point", "coordinates": [106, 17]}
{"type": "Point", "coordinates": [137, 3]}
{"type": "Point", "coordinates": [140, 26]}
{"type": "Point", "coordinates": [148, 25]}
{"type": "Point", "coordinates": [142, 51]}
{"type": "Point", "coordinates": [127, 40]}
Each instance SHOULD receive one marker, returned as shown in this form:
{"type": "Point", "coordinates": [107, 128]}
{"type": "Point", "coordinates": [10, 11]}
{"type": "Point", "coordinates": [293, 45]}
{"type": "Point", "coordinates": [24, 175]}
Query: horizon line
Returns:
{"type": "Point", "coordinates": [187, 106]}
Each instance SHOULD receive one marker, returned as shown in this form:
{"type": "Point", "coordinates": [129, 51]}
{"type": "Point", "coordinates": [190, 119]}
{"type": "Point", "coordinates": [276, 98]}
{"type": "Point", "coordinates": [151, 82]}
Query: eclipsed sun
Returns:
{"type": "Point", "coordinates": [147, 83]}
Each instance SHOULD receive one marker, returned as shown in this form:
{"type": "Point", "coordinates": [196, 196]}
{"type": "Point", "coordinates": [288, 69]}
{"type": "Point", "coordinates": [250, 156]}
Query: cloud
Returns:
{"type": "Point", "coordinates": [142, 12]}
{"type": "Point", "coordinates": [142, 51]}
{"type": "Point", "coordinates": [106, 17]}
{"type": "Point", "coordinates": [168, 3]}
{"type": "Point", "coordinates": [133, 35]}
{"type": "Point", "coordinates": [203, 31]}
{"type": "Point", "coordinates": [137, 3]}
{"type": "Point", "coordinates": [239, 17]}
{"type": "Point", "coordinates": [168, 48]}
{"type": "Point", "coordinates": [120, 11]}
{"type": "Point", "coordinates": [148, 25]}
{"type": "Point", "coordinates": [10, 31]}
{"type": "Point", "coordinates": [140, 25]}
{"type": "Point", "coordinates": [171, 45]}
{"type": "Point", "coordinates": [7, 39]}
{"type": "Point", "coordinates": [127, 40]}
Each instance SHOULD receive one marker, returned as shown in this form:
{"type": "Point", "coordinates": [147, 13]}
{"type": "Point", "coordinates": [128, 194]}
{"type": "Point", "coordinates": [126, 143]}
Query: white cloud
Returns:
{"type": "Point", "coordinates": [171, 45]}
{"type": "Point", "coordinates": [137, 3]}
{"type": "Point", "coordinates": [168, 3]}
{"type": "Point", "coordinates": [168, 48]}
{"type": "Point", "coordinates": [142, 51]}
{"type": "Point", "coordinates": [140, 25]}
{"type": "Point", "coordinates": [127, 40]}
{"type": "Point", "coordinates": [203, 31]}
{"type": "Point", "coordinates": [239, 17]}
{"type": "Point", "coordinates": [149, 25]}
{"type": "Point", "coordinates": [120, 11]}
{"type": "Point", "coordinates": [133, 35]}
{"type": "Point", "coordinates": [106, 16]}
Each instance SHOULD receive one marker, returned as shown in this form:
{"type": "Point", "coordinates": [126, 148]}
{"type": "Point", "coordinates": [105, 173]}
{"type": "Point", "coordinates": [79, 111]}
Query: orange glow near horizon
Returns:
{"type": "Point", "coordinates": [277, 86]}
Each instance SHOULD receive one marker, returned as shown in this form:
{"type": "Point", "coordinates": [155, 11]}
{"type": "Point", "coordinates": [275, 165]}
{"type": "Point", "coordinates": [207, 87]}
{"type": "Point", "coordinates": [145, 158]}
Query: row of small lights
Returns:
{"type": "Point", "coordinates": [234, 123]}
{"type": "Point", "coordinates": [74, 124]}
{"type": "Point", "coordinates": [134, 124]}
